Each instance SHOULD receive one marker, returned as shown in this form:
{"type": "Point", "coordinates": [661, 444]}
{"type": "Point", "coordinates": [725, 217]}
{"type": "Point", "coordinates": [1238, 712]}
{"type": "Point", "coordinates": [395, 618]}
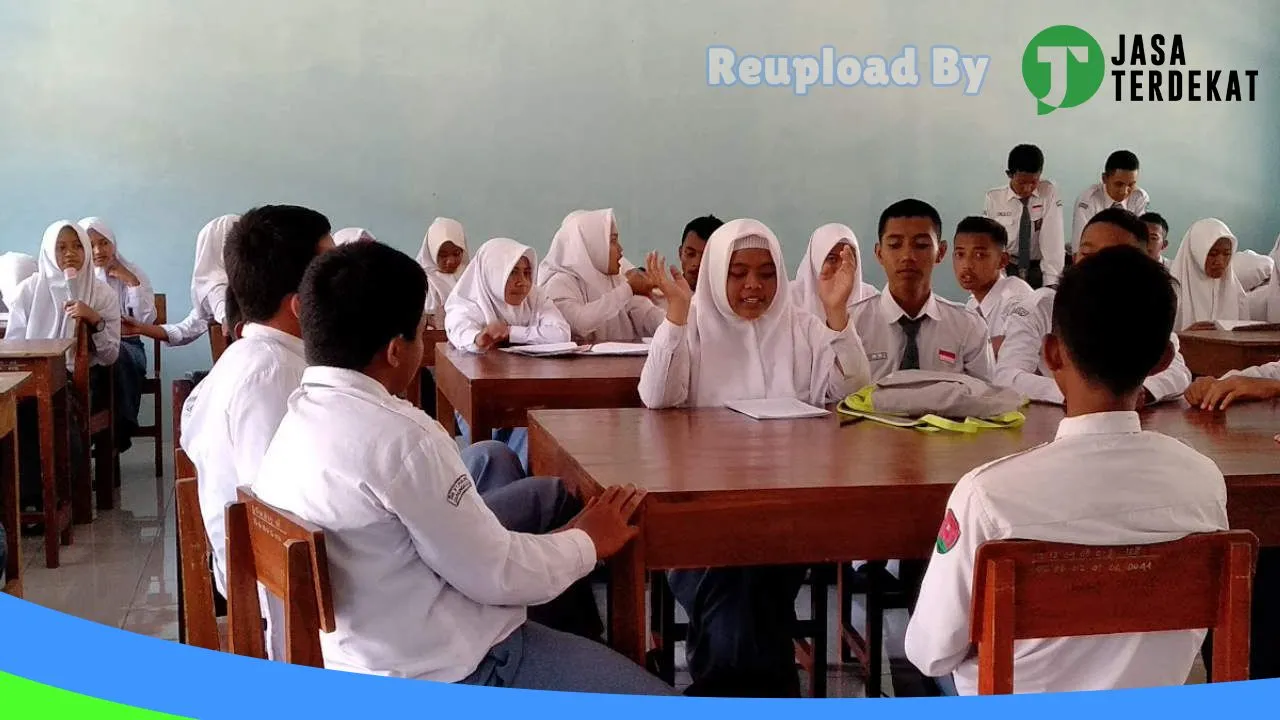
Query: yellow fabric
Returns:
{"type": "Point", "coordinates": [860, 405]}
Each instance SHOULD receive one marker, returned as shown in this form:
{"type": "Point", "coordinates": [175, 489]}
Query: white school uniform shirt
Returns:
{"type": "Point", "coordinates": [1201, 298]}
{"type": "Point", "coordinates": [951, 338]}
{"type": "Point", "coordinates": [1264, 302]}
{"type": "Point", "coordinates": [230, 418]}
{"type": "Point", "coordinates": [346, 236]}
{"type": "Point", "coordinates": [717, 357]}
{"type": "Point", "coordinates": [1095, 199]}
{"type": "Point", "coordinates": [209, 276]}
{"type": "Point", "coordinates": [137, 302]}
{"type": "Point", "coordinates": [14, 268]}
{"type": "Point", "coordinates": [1048, 240]}
{"type": "Point", "coordinates": [804, 290]}
{"type": "Point", "coordinates": [598, 307]}
{"type": "Point", "coordinates": [1021, 363]}
{"type": "Point", "coordinates": [187, 330]}
{"type": "Point", "coordinates": [1252, 270]}
{"type": "Point", "coordinates": [998, 304]}
{"type": "Point", "coordinates": [38, 311]}
{"type": "Point", "coordinates": [1102, 481]}
{"type": "Point", "coordinates": [477, 300]}
{"type": "Point", "coordinates": [425, 579]}
{"type": "Point", "coordinates": [440, 284]}
{"type": "Point", "coordinates": [1266, 371]}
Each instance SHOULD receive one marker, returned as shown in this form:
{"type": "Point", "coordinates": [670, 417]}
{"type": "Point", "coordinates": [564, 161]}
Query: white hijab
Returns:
{"type": "Point", "coordinates": [47, 318]}
{"type": "Point", "coordinates": [352, 234]}
{"type": "Point", "coordinates": [14, 268]}
{"type": "Point", "coordinates": [786, 353]}
{"type": "Point", "coordinates": [580, 250]}
{"type": "Point", "coordinates": [479, 294]}
{"type": "Point", "coordinates": [804, 292]}
{"type": "Point", "coordinates": [1251, 269]}
{"type": "Point", "coordinates": [210, 270]}
{"type": "Point", "coordinates": [441, 231]}
{"type": "Point", "coordinates": [97, 225]}
{"type": "Point", "coordinates": [1200, 297]}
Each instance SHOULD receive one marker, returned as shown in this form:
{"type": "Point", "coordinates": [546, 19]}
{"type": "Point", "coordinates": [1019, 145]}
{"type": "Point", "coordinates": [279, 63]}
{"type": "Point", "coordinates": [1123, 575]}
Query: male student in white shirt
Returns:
{"type": "Point", "coordinates": [428, 583]}
{"type": "Point", "coordinates": [979, 257]}
{"type": "Point", "coordinates": [1118, 189]}
{"type": "Point", "coordinates": [908, 326]}
{"type": "Point", "coordinates": [1021, 365]}
{"type": "Point", "coordinates": [1030, 210]}
{"type": "Point", "coordinates": [1102, 481]}
{"type": "Point", "coordinates": [1157, 236]}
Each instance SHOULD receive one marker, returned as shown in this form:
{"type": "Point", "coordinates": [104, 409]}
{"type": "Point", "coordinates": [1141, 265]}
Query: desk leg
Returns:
{"type": "Point", "coordinates": [9, 510]}
{"type": "Point", "coordinates": [50, 429]}
{"type": "Point", "coordinates": [444, 412]}
{"type": "Point", "coordinates": [81, 484]}
{"type": "Point", "coordinates": [626, 602]}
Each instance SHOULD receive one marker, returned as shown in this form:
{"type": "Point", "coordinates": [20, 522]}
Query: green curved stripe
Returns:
{"type": "Point", "coordinates": [22, 698]}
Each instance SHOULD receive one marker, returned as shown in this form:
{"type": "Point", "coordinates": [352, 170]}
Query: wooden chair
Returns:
{"type": "Point", "coordinates": [151, 385]}
{"type": "Point", "coordinates": [882, 592]}
{"type": "Point", "coordinates": [99, 438]}
{"type": "Point", "coordinates": [217, 341]}
{"type": "Point", "coordinates": [1026, 589]}
{"type": "Point", "coordinates": [286, 555]}
{"type": "Point", "coordinates": [197, 618]}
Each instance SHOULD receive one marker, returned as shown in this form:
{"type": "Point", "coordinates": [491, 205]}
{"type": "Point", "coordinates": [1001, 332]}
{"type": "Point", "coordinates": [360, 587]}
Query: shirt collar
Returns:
{"type": "Point", "coordinates": [342, 378]}
{"type": "Point", "coordinates": [1010, 197]}
{"type": "Point", "coordinates": [292, 343]}
{"type": "Point", "coordinates": [989, 303]}
{"type": "Point", "coordinates": [892, 311]}
{"type": "Point", "coordinates": [1103, 423]}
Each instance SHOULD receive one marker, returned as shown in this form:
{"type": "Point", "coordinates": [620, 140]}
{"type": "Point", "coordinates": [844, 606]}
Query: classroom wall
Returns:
{"type": "Point", "coordinates": [159, 115]}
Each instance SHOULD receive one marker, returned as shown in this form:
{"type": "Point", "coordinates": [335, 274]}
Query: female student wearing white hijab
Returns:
{"type": "Point", "coordinates": [352, 234]}
{"type": "Point", "coordinates": [48, 305]}
{"type": "Point", "coordinates": [1207, 286]}
{"type": "Point", "coordinates": [739, 337]}
{"type": "Point", "coordinates": [582, 274]}
{"type": "Point", "coordinates": [823, 253]}
{"type": "Point", "coordinates": [137, 301]}
{"type": "Point", "coordinates": [443, 256]}
{"type": "Point", "coordinates": [14, 268]}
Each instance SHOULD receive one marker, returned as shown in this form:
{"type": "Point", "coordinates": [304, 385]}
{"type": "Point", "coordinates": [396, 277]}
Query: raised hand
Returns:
{"type": "Point", "coordinates": [673, 286]}
{"type": "Point", "coordinates": [835, 286]}
{"type": "Point", "coordinates": [639, 281]}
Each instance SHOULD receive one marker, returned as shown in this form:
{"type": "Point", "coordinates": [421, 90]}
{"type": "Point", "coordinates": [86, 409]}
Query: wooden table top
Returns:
{"type": "Point", "coordinates": [20, 349]}
{"type": "Point", "coordinates": [1233, 337]}
{"type": "Point", "coordinates": [11, 381]}
{"type": "Point", "coordinates": [496, 365]}
{"type": "Point", "coordinates": [716, 450]}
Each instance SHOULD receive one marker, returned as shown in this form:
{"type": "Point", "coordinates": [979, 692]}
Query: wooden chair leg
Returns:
{"type": "Point", "coordinates": [818, 608]}
{"type": "Point", "coordinates": [104, 468]}
{"type": "Point", "coordinates": [158, 433]}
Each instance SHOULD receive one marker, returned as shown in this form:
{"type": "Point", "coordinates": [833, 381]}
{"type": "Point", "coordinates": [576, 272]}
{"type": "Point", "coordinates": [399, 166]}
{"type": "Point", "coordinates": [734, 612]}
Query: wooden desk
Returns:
{"type": "Point", "coordinates": [433, 337]}
{"type": "Point", "coordinates": [494, 390]}
{"type": "Point", "coordinates": [46, 360]}
{"type": "Point", "coordinates": [1214, 352]}
{"type": "Point", "coordinates": [725, 490]}
{"type": "Point", "coordinates": [10, 515]}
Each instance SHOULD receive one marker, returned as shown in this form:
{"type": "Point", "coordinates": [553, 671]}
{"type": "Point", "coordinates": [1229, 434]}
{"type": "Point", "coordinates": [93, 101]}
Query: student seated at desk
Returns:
{"type": "Point", "coordinates": [138, 302]}
{"type": "Point", "coordinates": [427, 581]}
{"type": "Point", "coordinates": [823, 256]}
{"type": "Point", "coordinates": [50, 305]}
{"type": "Point", "coordinates": [346, 236]}
{"type": "Point", "coordinates": [581, 274]}
{"type": "Point", "coordinates": [1029, 208]}
{"type": "Point", "coordinates": [230, 417]}
{"type": "Point", "coordinates": [1118, 189]}
{"type": "Point", "coordinates": [1102, 481]}
{"type": "Point", "coordinates": [443, 256]}
{"type": "Point", "coordinates": [1022, 366]}
{"type": "Point", "coordinates": [740, 338]}
{"type": "Point", "coordinates": [693, 242]}
{"type": "Point", "coordinates": [908, 326]}
{"type": "Point", "coordinates": [980, 257]}
{"type": "Point", "coordinates": [1157, 236]}
{"type": "Point", "coordinates": [1207, 286]}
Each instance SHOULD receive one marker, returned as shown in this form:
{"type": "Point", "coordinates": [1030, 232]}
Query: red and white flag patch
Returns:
{"type": "Point", "coordinates": [947, 356]}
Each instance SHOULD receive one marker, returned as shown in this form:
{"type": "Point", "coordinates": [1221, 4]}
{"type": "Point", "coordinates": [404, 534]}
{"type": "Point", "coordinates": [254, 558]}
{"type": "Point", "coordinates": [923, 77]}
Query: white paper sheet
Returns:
{"type": "Point", "coordinates": [776, 409]}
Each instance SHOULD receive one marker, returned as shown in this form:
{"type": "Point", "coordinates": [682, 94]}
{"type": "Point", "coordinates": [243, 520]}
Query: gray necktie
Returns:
{"type": "Point", "coordinates": [1024, 239]}
{"type": "Point", "coordinates": [910, 353]}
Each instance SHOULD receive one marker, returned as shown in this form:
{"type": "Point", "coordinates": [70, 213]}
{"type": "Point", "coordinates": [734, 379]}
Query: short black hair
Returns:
{"type": "Point", "coordinates": [909, 208]}
{"type": "Point", "coordinates": [267, 251]}
{"type": "Point", "coordinates": [1025, 158]}
{"type": "Point", "coordinates": [1157, 218]}
{"type": "Point", "coordinates": [1123, 219]}
{"type": "Point", "coordinates": [1121, 160]}
{"type": "Point", "coordinates": [979, 225]}
{"type": "Point", "coordinates": [356, 299]}
{"type": "Point", "coordinates": [1114, 312]}
{"type": "Point", "coordinates": [702, 227]}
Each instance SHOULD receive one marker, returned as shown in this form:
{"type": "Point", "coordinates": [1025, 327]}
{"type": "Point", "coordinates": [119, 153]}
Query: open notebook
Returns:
{"type": "Point", "coordinates": [545, 350]}
{"type": "Point", "coordinates": [776, 409]}
{"type": "Point", "coordinates": [1245, 325]}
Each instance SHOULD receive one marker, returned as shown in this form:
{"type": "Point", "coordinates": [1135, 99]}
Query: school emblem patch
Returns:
{"type": "Point", "coordinates": [948, 534]}
{"type": "Point", "coordinates": [458, 490]}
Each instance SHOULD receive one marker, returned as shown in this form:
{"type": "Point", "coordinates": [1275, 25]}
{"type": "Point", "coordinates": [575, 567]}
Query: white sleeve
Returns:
{"type": "Point", "coordinates": [664, 381]}
{"type": "Point", "coordinates": [19, 307]}
{"type": "Point", "coordinates": [1080, 216]}
{"type": "Point", "coordinates": [459, 538]}
{"type": "Point", "coordinates": [938, 634]}
{"type": "Point", "coordinates": [1174, 380]}
{"type": "Point", "coordinates": [1019, 363]}
{"type": "Point", "coordinates": [1256, 302]}
{"type": "Point", "coordinates": [1270, 371]}
{"type": "Point", "coordinates": [140, 301]}
{"type": "Point", "coordinates": [1053, 247]}
{"type": "Point", "coordinates": [106, 344]}
{"type": "Point", "coordinates": [191, 328]}
{"type": "Point", "coordinates": [852, 371]}
{"type": "Point", "coordinates": [645, 315]}
{"type": "Point", "coordinates": [549, 326]}
{"type": "Point", "coordinates": [217, 303]}
{"type": "Point", "coordinates": [585, 318]}
{"type": "Point", "coordinates": [253, 415]}
{"type": "Point", "coordinates": [979, 360]}
{"type": "Point", "coordinates": [463, 323]}
{"type": "Point", "coordinates": [1143, 199]}
{"type": "Point", "coordinates": [988, 208]}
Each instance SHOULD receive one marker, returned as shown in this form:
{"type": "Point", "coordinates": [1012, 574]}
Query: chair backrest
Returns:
{"type": "Point", "coordinates": [1028, 589]}
{"type": "Point", "coordinates": [162, 317]}
{"type": "Point", "coordinates": [197, 580]}
{"type": "Point", "coordinates": [286, 555]}
{"type": "Point", "coordinates": [217, 341]}
{"type": "Point", "coordinates": [182, 465]}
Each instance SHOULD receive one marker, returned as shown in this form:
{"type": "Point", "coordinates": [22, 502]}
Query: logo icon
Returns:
{"type": "Point", "coordinates": [1063, 66]}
